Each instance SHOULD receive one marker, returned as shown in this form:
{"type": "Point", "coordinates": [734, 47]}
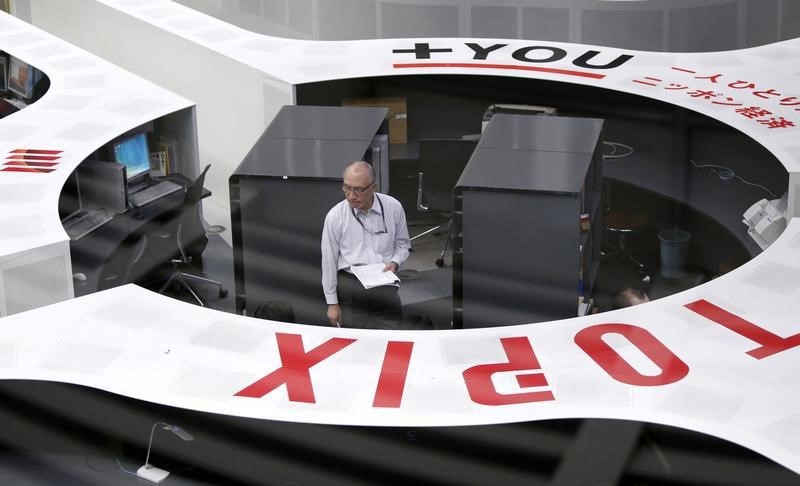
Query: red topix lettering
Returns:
{"type": "Point", "coordinates": [392, 380]}
{"type": "Point", "coordinates": [769, 343]}
{"type": "Point", "coordinates": [590, 340]}
{"type": "Point", "coordinates": [295, 363]}
{"type": "Point", "coordinates": [520, 358]}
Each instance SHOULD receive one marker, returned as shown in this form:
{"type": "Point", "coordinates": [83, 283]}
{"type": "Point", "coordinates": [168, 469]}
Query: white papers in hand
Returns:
{"type": "Point", "coordinates": [372, 275]}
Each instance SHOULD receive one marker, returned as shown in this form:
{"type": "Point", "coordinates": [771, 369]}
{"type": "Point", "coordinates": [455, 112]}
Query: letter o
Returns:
{"type": "Point", "coordinates": [556, 54]}
{"type": "Point", "coordinates": [590, 340]}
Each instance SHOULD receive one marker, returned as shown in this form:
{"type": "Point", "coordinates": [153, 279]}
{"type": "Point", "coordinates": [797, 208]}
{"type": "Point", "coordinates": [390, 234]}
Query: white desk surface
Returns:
{"type": "Point", "coordinates": [90, 101]}
{"type": "Point", "coordinates": [135, 343]}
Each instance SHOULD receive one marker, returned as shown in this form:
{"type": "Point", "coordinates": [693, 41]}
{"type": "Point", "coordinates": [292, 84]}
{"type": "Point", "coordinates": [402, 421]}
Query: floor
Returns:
{"type": "Point", "coordinates": [427, 288]}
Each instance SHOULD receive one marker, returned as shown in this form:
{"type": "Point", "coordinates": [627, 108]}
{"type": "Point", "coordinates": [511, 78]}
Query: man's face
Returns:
{"type": "Point", "coordinates": [358, 189]}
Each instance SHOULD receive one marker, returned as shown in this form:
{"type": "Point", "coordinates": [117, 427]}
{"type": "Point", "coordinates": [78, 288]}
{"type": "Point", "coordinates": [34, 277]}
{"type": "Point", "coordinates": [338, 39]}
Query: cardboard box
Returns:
{"type": "Point", "coordinates": [396, 116]}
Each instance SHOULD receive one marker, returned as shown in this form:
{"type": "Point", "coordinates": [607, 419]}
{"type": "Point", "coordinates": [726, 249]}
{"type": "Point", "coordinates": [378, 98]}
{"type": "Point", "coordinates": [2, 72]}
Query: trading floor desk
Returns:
{"type": "Point", "coordinates": [7, 107]}
{"type": "Point", "coordinates": [103, 255]}
{"type": "Point", "coordinates": [720, 358]}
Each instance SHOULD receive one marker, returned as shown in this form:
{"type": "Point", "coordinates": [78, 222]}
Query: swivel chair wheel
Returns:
{"type": "Point", "coordinates": [440, 262]}
{"type": "Point", "coordinates": [223, 293]}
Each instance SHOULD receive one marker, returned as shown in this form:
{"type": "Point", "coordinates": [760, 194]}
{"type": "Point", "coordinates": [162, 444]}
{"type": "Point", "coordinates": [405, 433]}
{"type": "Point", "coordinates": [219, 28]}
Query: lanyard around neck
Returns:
{"type": "Point", "coordinates": [383, 217]}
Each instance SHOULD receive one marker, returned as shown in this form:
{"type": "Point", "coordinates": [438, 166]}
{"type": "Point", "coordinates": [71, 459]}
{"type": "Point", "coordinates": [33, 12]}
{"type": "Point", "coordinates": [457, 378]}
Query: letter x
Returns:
{"type": "Point", "coordinates": [294, 370]}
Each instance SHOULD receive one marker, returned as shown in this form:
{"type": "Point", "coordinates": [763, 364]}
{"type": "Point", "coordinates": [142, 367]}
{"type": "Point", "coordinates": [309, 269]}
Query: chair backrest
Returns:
{"type": "Point", "coordinates": [192, 238]}
{"type": "Point", "coordinates": [195, 190]}
{"type": "Point", "coordinates": [441, 162]}
{"type": "Point", "coordinates": [136, 255]}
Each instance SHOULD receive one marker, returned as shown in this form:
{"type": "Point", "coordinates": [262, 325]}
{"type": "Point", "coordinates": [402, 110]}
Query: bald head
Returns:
{"type": "Point", "coordinates": [627, 297]}
{"type": "Point", "coordinates": [359, 185]}
{"type": "Point", "coordinates": [358, 169]}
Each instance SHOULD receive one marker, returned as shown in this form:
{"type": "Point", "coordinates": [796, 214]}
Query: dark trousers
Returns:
{"type": "Point", "coordinates": [375, 308]}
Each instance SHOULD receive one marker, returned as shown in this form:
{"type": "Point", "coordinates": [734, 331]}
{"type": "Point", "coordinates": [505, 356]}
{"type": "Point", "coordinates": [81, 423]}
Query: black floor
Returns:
{"type": "Point", "coordinates": [218, 265]}
{"type": "Point", "coordinates": [427, 288]}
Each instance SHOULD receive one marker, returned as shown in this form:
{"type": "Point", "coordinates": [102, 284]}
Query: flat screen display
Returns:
{"type": "Point", "coordinates": [134, 154]}
{"type": "Point", "coordinates": [20, 78]}
{"type": "Point", "coordinates": [3, 73]}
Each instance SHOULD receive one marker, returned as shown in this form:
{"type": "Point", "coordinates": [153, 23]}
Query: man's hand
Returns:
{"type": "Point", "coordinates": [334, 315]}
{"type": "Point", "coordinates": [391, 266]}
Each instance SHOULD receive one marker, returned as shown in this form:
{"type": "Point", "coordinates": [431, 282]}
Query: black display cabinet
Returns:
{"type": "Point", "coordinates": [521, 255]}
{"type": "Point", "coordinates": [280, 194]}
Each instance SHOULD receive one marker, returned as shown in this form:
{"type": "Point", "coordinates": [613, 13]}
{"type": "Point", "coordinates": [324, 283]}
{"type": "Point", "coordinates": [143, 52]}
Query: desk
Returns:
{"type": "Point", "coordinates": [7, 108]}
{"type": "Point", "coordinates": [748, 401]}
{"type": "Point", "coordinates": [104, 253]}
{"type": "Point", "coordinates": [652, 166]}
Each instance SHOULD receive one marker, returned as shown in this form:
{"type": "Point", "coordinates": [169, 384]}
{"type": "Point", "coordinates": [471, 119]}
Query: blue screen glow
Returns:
{"type": "Point", "coordinates": [134, 154]}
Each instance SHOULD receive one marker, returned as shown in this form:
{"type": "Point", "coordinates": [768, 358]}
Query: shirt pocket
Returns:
{"type": "Point", "coordinates": [384, 244]}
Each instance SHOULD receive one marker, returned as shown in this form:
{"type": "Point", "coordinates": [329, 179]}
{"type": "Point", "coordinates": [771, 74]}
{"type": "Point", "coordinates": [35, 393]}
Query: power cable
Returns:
{"type": "Point", "coordinates": [726, 174]}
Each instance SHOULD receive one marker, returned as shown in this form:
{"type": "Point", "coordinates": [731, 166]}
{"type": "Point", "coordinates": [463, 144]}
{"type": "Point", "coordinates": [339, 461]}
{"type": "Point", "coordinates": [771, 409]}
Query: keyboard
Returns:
{"type": "Point", "coordinates": [85, 224]}
{"type": "Point", "coordinates": [151, 193]}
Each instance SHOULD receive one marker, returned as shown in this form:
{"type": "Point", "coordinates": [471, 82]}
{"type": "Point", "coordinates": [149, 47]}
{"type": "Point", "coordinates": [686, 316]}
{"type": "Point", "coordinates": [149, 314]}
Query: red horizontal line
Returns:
{"type": "Point", "coordinates": [517, 67]}
{"type": "Point", "coordinates": [33, 157]}
{"type": "Point", "coordinates": [36, 151]}
{"type": "Point", "coordinates": [21, 163]}
{"type": "Point", "coordinates": [25, 169]}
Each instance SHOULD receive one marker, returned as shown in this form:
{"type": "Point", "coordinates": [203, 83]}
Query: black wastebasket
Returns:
{"type": "Point", "coordinates": [674, 250]}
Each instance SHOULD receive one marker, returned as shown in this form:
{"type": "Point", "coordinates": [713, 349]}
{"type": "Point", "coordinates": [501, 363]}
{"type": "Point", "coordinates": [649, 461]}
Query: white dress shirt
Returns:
{"type": "Point", "coordinates": [383, 238]}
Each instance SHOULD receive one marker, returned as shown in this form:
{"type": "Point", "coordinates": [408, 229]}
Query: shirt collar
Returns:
{"type": "Point", "coordinates": [376, 205]}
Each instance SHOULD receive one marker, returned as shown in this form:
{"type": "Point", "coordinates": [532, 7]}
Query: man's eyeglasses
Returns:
{"type": "Point", "coordinates": [358, 190]}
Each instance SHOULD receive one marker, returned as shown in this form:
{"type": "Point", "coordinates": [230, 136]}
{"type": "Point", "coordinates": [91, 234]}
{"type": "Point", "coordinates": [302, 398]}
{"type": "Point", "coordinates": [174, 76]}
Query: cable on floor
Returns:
{"type": "Point", "coordinates": [614, 146]}
{"type": "Point", "coordinates": [726, 174]}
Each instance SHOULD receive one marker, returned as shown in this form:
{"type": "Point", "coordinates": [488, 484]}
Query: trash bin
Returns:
{"type": "Point", "coordinates": [674, 250]}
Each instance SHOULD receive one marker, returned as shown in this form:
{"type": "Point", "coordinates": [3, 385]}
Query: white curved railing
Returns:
{"type": "Point", "coordinates": [719, 358]}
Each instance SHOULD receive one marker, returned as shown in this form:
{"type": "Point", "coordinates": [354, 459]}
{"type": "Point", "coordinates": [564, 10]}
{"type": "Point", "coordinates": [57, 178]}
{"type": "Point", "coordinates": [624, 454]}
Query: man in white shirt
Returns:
{"type": "Point", "coordinates": [367, 227]}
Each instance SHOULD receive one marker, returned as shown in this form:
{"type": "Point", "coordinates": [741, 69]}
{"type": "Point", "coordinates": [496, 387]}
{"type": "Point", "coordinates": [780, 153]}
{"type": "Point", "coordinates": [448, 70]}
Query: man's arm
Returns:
{"type": "Point", "coordinates": [330, 259]}
{"type": "Point", "coordinates": [334, 315]}
{"type": "Point", "coordinates": [402, 242]}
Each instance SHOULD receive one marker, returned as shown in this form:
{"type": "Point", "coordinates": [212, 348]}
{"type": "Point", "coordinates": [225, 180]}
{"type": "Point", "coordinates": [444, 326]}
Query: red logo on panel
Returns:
{"type": "Point", "coordinates": [31, 160]}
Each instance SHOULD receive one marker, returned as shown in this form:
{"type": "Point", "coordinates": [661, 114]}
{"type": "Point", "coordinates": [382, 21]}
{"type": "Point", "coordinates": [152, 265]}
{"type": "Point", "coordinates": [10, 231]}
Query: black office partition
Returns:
{"type": "Point", "coordinates": [280, 242]}
{"type": "Point", "coordinates": [520, 252]}
{"type": "Point", "coordinates": [280, 194]}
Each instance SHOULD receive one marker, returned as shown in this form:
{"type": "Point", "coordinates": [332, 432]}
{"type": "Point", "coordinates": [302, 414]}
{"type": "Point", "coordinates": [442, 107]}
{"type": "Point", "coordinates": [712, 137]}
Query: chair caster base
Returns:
{"type": "Point", "coordinates": [223, 293]}
{"type": "Point", "coordinates": [440, 262]}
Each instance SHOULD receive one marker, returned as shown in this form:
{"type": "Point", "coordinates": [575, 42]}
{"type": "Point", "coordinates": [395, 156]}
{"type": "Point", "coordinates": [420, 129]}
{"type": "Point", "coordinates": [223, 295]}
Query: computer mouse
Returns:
{"type": "Point", "coordinates": [79, 277]}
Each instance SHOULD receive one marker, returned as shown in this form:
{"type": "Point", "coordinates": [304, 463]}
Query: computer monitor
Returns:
{"type": "Point", "coordinates": [3, 73]}
{"type": "Point", "coordinates": [20, 78]}
{"type": "Point", "coordinates": [134, 154]}
{"type": "Point", "coordinates": [103, 186]}
{"type": "Point", "coordinates": [69, 202]}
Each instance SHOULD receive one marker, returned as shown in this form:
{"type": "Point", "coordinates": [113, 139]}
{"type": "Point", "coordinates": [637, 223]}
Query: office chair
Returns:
{"type": "Point", "coordinates": [136, 256]}
{"type": "Point", "coordinates": [191, 239]}
{"type": "Point", "coordinates": [131, 271]}
{"type": "Point", "coordinates": [441, 164]}
{"type": "Point", "coordinates": [623, 222]}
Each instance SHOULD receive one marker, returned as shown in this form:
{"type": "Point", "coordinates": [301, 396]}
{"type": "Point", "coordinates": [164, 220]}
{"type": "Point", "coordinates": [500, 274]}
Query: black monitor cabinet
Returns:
{"type": "Point", "coordinates": [520, 253]}
{"type": "Point", "coordinates": [280, 194]}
